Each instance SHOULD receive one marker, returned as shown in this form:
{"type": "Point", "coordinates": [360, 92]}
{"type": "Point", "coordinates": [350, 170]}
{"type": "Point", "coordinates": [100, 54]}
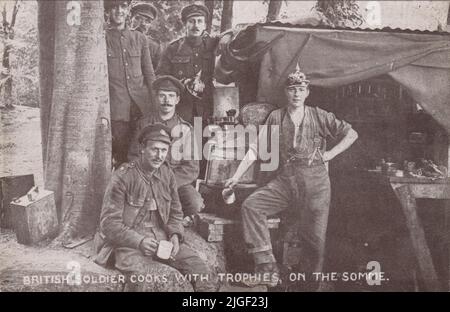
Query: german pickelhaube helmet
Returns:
{"type": "Point", "coordinates": [296, 78]}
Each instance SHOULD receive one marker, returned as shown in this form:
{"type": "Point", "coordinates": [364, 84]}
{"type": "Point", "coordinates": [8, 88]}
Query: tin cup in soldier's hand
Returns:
{"type": "Point", "coordinates": [164, 249]}
{"type": "Point", "coordinates": [228, 196]}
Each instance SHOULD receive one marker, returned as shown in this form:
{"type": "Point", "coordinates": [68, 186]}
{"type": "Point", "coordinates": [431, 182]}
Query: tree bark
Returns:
{"type": "Point", "coordinates": [274, 10]}
{"type": "Point", "coordinates": [227, 15]}
{"type": "Point", "coordinates": [77, 155]}
{"type": "Point", "coordinates": [46, 29]}
{"type": "Point", "coordinates": [210, 5]}
{"type": "Point", "coordinates": [9, 35]}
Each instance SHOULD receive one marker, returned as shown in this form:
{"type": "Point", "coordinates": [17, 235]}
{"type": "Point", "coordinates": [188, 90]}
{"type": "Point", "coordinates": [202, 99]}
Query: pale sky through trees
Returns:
{"type": "Point", "coordinates": [423, 15]}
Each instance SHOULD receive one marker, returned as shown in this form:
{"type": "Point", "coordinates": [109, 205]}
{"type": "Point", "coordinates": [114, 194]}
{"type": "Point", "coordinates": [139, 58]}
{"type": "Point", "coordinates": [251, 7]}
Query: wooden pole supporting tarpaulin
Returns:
{"type": "Point", "coordinates": [76, 138]}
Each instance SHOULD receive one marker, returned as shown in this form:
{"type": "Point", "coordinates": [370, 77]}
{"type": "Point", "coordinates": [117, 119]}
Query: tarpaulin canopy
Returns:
{"type": "Point", "coordinates": [332, 57]}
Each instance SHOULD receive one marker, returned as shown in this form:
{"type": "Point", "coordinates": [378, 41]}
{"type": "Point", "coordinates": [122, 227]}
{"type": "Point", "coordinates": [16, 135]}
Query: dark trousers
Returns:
{"type": "Point", "coordinates": [133, 262]}
{"type": "Point", "coordinates": [305, 192]}
{"type": "Point", "coordinates": [191, 200]}
{"type": "Point", "coordinates": [122, 133]}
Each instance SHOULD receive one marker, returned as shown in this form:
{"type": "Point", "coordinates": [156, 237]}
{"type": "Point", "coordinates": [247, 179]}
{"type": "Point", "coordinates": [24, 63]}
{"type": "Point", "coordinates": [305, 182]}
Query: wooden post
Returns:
{"type": "Point", "coordinates": [421, 250]}
{"type": "Point", "coordinates": [274, 10]}
{"type": "Point", "coordinates": [227, 15]}
{"type": "Point", "coordinates": [210, 5]}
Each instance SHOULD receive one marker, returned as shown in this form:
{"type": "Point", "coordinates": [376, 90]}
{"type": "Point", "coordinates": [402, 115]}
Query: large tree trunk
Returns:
{"type": "Point", "coordinates": [75, 113]}
{"type": "Point", "coordinates": [274, 10]}
{"type": "Point", "coordinates": [227, 15]}
{"type": "Point", "coordinates": [9, 36]}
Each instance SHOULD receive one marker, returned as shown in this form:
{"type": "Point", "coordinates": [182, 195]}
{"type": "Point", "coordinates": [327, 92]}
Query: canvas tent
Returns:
{"type": "Point", "coordinates": [331, 57]}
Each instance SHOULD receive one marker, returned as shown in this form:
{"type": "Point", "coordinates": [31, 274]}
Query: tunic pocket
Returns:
{"type": "Point", "coordinates": [180, 66]}
{"type": "Point", "coordinates": [165, 201]}
{"type": "Point", "coordinates": [132, 207]}
{"type": "Point", "coordinates": [135, 61]}
{"type": "Point", "coordinates": [113, 64]}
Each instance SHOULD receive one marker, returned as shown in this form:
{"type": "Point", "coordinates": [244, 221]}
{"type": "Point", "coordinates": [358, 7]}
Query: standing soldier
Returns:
{"type": "Point", "coordinates": [130, 73]}
{"type": "Point", "coordinates": [182, 161]}
{"type": "Point", "coordinates": [191, 59]}
{"type": "Point", "coordinates": [142, 15]}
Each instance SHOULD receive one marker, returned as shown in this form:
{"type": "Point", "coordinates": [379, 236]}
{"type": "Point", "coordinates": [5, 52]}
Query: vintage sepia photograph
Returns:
{"type": "Point", "coordinates": [226, 146]}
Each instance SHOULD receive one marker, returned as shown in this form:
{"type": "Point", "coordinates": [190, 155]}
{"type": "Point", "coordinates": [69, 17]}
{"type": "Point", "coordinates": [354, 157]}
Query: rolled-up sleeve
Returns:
{"type": "Point", "coordinates": [112, 224]}
{"type": "Point", "coordinates": [331, 125]}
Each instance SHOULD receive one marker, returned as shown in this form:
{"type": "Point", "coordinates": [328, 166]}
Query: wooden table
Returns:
{"type": "Point", "coordinates": [407, 190]}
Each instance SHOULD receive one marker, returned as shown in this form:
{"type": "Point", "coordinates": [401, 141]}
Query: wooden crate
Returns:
{"type": "Point", "coordinates": [11, 188]}
{"type": "Point", "coordinates": [213, 228]}
{"type": "Point", "coordinates": [34, 220]}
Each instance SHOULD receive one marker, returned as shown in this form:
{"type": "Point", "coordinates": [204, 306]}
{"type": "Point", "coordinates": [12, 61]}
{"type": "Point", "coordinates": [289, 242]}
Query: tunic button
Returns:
{"type": "Point", "coordinates": [128, 77]}
{"type": "Point", "coordinates": [124, 50]}
{"type": "Point", "coordinates": [196, 54]}
{"type": "Point", "coordinates": [180, 72]}
{"type": "Point", "coordinates": [147, 199]}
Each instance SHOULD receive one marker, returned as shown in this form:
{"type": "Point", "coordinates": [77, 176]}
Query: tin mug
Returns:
{"type": "Point", "coordinates": [164, 249]}
{"type": "Point", "coordinates": [228, 196]}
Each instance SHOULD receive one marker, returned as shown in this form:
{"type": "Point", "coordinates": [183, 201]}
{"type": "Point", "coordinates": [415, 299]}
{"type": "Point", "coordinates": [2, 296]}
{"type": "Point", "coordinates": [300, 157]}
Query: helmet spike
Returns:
{"type": "Point", "coordinates": [297, 78]}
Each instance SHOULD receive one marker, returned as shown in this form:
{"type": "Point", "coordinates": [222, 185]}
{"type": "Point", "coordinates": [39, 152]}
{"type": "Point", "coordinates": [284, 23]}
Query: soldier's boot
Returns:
{"type": "Point", "coordinates": [266, 274]}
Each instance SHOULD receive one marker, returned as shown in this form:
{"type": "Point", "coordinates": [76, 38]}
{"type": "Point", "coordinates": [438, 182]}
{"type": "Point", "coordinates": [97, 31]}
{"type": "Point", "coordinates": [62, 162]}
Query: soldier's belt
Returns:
{"type": "Point", "coordinates": [303, 162]}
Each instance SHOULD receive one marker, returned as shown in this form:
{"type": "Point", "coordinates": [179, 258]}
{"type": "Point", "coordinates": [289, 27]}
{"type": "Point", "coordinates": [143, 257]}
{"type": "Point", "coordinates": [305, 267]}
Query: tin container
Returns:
{"type": "Point", "coordinates": [35, 219]}
{"type": "Point", "coordinates": [225, 99]}
{"type": "Point", "coordinates": [224, 157]}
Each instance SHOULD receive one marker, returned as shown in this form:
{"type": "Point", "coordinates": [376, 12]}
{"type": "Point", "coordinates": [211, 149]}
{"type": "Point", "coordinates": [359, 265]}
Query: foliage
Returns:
{"type": "Point", "coordinates": [22, 42]}
{"type": "Point", "coordinates": [339, 12]}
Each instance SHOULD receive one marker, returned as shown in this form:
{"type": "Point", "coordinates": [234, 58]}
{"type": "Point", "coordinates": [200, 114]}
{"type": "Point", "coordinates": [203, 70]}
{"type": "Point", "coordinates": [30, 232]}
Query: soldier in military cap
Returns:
{"type": "Point", "coordinates": [141, 208]}
{"type": "Point", "coordinates": [183, 158]}
{"type": "Point", "coordinates": [130, 73]}
{"type": "Point", "coordinates": [142, 15]}
{"type": "Point", "coordinates": [191, 59]}
{"type": "Point", "coordinates": [301, 184]}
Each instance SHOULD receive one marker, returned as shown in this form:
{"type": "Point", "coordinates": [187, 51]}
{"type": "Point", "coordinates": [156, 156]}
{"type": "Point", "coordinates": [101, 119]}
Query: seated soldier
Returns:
{"type": "Point", "coordinates": [301, 184]}
{"type": "Point", "coordinates": [141, 208]}
{"type": "Point", "coordinates": [181, 160]}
